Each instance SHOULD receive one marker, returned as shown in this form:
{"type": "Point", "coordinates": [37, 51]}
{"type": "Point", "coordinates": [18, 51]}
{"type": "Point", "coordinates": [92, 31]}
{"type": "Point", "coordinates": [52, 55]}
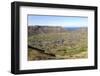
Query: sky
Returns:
{"type": "Point", "coordinates": [64, 21]}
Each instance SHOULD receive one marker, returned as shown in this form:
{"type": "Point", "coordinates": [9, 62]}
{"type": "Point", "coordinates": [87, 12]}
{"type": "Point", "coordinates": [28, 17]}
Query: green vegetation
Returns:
{"type": "Point", "coordinates": [64, 45]}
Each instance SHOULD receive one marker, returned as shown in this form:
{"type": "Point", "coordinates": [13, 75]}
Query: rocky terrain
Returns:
{"type": "Point", "coordinates": [32, 30]}
{"type": "Point", "coordinates": [54, 42]}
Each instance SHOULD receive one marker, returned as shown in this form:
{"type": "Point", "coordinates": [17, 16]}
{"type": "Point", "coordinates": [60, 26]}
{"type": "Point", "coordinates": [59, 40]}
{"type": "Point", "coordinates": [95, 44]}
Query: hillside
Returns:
{"type": "Point", "coordinates": [32, 30]}
{"type": "Point", "coordinates": [58, 41]}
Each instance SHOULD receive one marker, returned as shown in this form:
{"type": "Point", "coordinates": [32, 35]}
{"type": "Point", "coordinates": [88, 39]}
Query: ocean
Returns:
{"type": "Point", "coordinates": [71, 28]}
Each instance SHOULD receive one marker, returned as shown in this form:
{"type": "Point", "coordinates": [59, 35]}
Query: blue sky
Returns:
{"type": "Point", "coordinates": [64, 21]}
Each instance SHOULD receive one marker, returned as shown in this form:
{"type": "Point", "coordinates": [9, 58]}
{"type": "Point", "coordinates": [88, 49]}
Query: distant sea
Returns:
{"type": "Point", "coordinates": [71, 28]}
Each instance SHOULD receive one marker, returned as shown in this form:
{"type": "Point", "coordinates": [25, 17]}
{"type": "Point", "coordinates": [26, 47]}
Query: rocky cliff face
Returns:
{"type": "Point", "coordinates": [32, 30]}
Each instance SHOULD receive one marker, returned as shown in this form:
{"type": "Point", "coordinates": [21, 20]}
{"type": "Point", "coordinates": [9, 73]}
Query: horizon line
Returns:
{"type": "Point", "coordinates": [57, 26]}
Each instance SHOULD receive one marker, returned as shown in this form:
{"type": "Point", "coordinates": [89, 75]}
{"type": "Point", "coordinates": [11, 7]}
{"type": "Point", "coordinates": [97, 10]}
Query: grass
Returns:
{"type": "Point", "coordinates": [74, 45]}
